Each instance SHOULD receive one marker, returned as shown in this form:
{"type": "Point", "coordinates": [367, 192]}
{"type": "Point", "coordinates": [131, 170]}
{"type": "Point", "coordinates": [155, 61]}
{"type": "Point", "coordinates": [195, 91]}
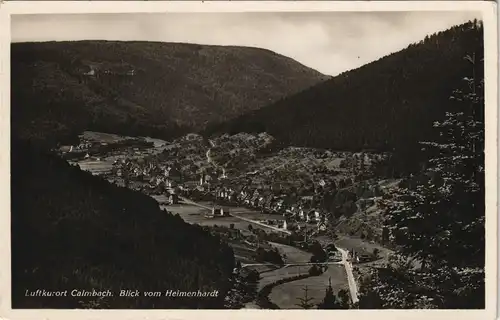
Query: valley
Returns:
{"type": "Point", "coordinates": [276, 200]}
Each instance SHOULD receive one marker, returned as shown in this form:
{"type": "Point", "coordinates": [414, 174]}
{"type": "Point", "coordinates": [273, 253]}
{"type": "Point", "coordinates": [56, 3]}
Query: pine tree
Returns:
{"type": "Point", "coordinates": [329, 301]}
{"type": "Point", "coordinates": [343, 299]}
{"type": "Point", "coordinates": [305, 302]}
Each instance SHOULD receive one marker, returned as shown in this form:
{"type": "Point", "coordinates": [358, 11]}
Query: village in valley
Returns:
{"type": "Point", "coordinates": [294, 217]}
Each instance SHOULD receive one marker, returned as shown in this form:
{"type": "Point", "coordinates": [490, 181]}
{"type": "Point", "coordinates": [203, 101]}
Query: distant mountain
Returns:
{"type": "Point", "coordinates": [387, 104]}
{"type": "Point", "coordinates": [146, 88]}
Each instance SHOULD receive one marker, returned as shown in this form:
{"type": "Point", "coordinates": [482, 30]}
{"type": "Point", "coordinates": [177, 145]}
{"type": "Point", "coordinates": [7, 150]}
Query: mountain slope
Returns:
{"type": "Point", "coordinates": [71, 230]}
{"type": "Point", "coordinates": [390, 103]}
{"type": "Point", "coordinates": [144, 87]}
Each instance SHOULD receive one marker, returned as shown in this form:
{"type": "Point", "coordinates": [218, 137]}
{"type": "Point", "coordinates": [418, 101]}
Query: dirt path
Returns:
{"type": "Point", "coordinates": [353, 287]}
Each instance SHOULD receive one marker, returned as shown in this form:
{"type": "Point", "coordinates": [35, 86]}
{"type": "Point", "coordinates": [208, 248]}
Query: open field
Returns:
{"type": "Point", "coordinates": [286, 295]}
{"type": "Point", "coordinates": [102, 137]}
{"type": "Point", "coordinates": [196, 215]}
{"type": "Point", "coordinates": [285, 272]}
{"type": "Point", "coordinates": [110, 137]}
{"type": "Point", "coordinates": [245, 212]}
{"type": "Point", "coordinates": [292, 254]}
{"type": "Point", "coordinates": [96, 167]}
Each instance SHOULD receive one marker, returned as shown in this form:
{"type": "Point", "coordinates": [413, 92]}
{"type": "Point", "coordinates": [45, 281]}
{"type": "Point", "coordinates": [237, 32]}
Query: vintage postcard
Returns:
{"type": "Point", "coordinates": [169, 160]}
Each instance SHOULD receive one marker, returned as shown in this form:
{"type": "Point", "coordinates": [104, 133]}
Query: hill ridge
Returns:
{"type": "Point", "coordinates": [383, 105]}
{"type": "Point", "coordinates": [181, 87]}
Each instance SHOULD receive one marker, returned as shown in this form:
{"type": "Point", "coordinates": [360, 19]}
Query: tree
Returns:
{"type": "Point", "coordinates": [398, 285]}
{"type": "Point", "coordinates": [343, 299]}
{"type": "Point", "coordinates": [385, 235]}
{"type": "Point", "coordinates": [318, 254]}
{"type": "Point", "coordinates": [305, 302]}
{"type": "Point", "coordinates": [437, 217]}
{"type": "Point", "coordinates": [314, 271]}
{"type": "Point", "coordinates": [329, 301]}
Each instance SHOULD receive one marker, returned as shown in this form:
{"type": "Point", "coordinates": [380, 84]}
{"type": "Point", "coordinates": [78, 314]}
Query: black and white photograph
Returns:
{"type": "Point", "coordinates": [327, 160]}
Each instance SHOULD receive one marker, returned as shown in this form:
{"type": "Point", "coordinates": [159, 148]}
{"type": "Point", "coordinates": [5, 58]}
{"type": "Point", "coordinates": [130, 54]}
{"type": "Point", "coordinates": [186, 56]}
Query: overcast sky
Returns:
{"type": "Point", "coordinates": [330, 42]}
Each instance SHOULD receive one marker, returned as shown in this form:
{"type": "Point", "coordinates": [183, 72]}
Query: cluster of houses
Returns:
{"type": "Point", "coordinates": [77, 151]}
{"type": "Point", "coordinates": [271, 203]}
{"type": "Point", "coordinates": [152, 173]}
{"type": "Point", "coordinates": [360, 257]}
{"type": "Point", "coordinates": [218, 212]}
{"type": "Point", "coordinates": [212, 186]}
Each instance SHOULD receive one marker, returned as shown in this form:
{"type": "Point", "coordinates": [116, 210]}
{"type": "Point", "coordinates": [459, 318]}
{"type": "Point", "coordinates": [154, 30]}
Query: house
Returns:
{"type": "Point", "coordinates": [335, 256]}
{"type": "Point", "coordinates": [307, 200]}
{"type": "Point", "coordinates": [222, 213]}
{"type": "Point", "coordinates": [285, 225]}
{"type": "Point", "coordinates": [170, 183]}
{"type": "Point", "coordinates": [294, 212]}
{"type": "Point", "coordinates": [330, 248]}
{"type": "Point", "coordinates": [65, 149]}
{"type": "Point", "coordinates": [90, 70]}
{"type": "Point", "coordinates": [254, 200]}
{"type": "Point", "coordinates": [205, 179]}
{"type": "Point", "coordinates": [364, 258]}
{"type": "Point", "coordinates": [261, 202]}
{"type": "Point", "coordinates": [301, 214]}
{"type": "Point", "coordinates": [210, 214]}
{"type": "Point", "coordinates": [215, 212]}
{"type": "Point", "coordinates": [224, 175]}
{"type": "Point", "coordinates": [268, 201]}
{"type": "Point", "coordinates": [317, 215]}
{"type": "Point", "coordinates": [173, 199]}
{"type": "Point", "coordinates": [232, 195]}
{"type": "Point", "coordinates": [312, 215]}
{"type": "Point", "coordinates": [277, 205]}
{"type": "Point", "coordinates": [247, 199]}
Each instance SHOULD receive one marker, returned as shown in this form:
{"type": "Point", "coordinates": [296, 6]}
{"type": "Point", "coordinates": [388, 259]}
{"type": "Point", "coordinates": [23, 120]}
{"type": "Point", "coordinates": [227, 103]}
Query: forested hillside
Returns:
{"type": "Point", "coordinates": [385, 105]}
{"type": "Point", "coordinates": [437, 217]}
{"type": "Point", "coordinates": [143, 88]}
{"type": "Point", "coordinates": [71, 230]}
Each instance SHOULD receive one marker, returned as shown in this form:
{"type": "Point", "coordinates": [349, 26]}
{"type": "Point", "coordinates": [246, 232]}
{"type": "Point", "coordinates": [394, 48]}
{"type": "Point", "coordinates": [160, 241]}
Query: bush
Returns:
{"type": "Point", "coordinates": [272, 256]}
{"type": "Point", "coordinates": [315, 271]}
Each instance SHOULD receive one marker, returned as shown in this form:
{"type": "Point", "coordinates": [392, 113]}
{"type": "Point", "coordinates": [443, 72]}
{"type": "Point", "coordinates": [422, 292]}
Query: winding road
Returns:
{"type": "Point", "coordinates": [353, 287]}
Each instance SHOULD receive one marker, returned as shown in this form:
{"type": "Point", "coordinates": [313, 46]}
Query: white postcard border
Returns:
{"type": "Point", "coordinates": [489, 17]}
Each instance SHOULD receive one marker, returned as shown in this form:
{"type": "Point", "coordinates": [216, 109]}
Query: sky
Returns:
{"type": "Point", "coordinates": [330, 42]}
